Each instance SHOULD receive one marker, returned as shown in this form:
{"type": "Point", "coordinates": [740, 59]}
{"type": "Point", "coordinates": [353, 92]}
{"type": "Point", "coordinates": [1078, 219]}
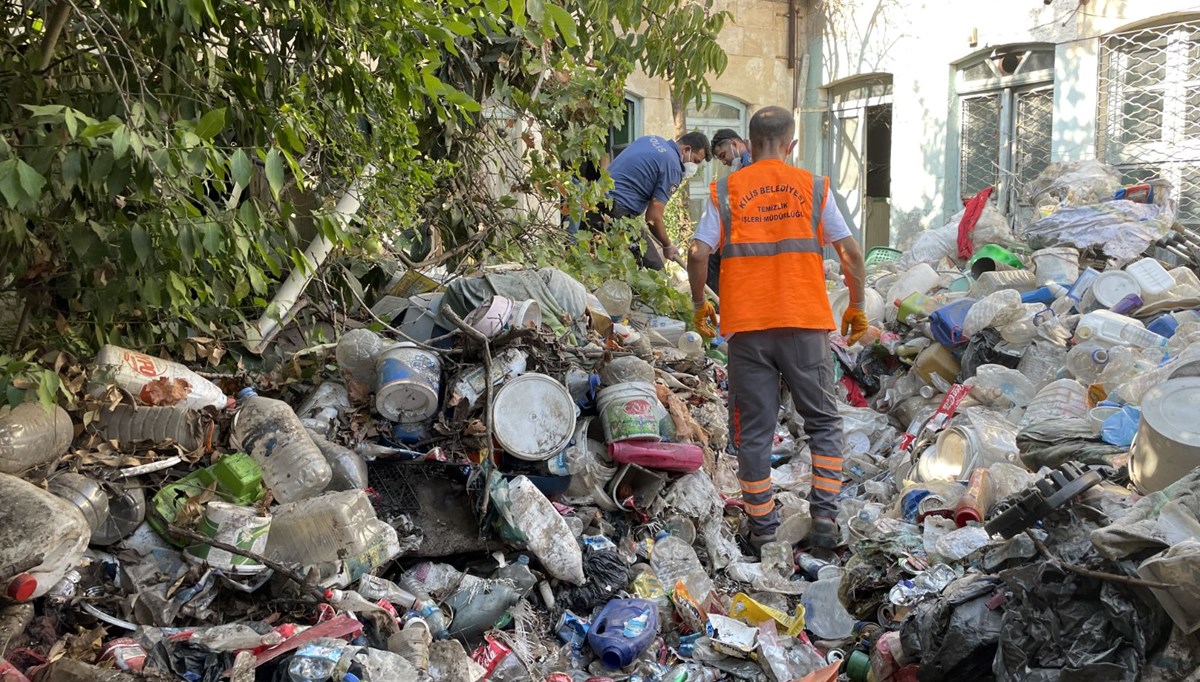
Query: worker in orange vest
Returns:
{"type": "Point", "coordinates": [770, 221]}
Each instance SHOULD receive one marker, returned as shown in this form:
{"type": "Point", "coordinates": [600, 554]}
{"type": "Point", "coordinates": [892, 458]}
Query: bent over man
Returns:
{"type": "Point", "coordinates": [769, 221]}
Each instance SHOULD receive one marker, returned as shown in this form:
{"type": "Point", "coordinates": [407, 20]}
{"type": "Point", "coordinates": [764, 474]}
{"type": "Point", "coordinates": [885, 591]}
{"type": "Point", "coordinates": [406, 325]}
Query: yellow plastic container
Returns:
{"type": "Point", "coordinates": [751, 612]}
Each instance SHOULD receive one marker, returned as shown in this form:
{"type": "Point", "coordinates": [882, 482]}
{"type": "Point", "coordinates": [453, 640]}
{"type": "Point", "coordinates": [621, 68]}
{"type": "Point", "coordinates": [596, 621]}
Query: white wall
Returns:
{"type": "Point", "coordinates": [919, 41]}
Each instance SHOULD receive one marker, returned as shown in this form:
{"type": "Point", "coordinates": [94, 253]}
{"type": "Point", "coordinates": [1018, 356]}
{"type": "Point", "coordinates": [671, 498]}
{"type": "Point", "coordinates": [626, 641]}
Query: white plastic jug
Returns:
{"type": "Point", "coordinates": [1106, 327]}
{"type": "Point", "coordinates": [1151, 276]}
{"type": "Point", "coordinates": [41, 537]}
{"type": "Point", "coordinates": [336, 532]}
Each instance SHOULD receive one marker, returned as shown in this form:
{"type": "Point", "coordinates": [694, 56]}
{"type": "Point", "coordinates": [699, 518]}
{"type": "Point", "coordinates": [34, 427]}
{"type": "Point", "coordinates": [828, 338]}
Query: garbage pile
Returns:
{"type": "Point", "coordinates": [509, 477]}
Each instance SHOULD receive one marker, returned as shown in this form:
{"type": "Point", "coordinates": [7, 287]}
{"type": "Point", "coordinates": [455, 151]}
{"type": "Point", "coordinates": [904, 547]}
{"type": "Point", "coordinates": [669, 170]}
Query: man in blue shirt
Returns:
{"type": "Point", "coordinates": [645, 175]}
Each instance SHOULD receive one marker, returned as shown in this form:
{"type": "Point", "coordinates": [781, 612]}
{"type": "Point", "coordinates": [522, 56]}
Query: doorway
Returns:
{"type": "Point", "coordinates": [860, 156]}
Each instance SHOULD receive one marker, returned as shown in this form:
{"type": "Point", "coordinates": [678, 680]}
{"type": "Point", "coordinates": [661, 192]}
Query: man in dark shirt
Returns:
{"type": "Point", "coordinates": [645, 175]}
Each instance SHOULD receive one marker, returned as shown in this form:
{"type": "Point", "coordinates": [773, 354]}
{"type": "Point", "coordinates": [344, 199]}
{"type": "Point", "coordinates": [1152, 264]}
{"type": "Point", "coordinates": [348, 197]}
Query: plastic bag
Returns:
{"type": "Point", "coordinates": [1120, 428]}
{"type": "Point", "coordinates": [1124, 229]}
{"type": "Point", "coordinates": [994, 310]}
{"type": "Point", "coordinates": [1072, 183]}
{"type": "Point", "coordinates": [933, 245]}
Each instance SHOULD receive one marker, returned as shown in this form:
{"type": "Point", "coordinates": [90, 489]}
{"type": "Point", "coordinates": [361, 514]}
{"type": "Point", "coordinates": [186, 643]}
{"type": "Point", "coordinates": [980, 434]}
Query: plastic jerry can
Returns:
{"type": "Point", "coordinates": [946, 323]}
{"type": "Point", "coordinates": [42, 537]}
{"type": "Point", "coordinates": [622, 630]}
{"type": "Point", "coordinates": [682, 457]}
{"type": "Point", "coordinates": [936, 359]}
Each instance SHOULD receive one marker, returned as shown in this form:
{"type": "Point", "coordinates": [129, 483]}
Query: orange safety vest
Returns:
{"type": "Point", "coordinates": [772, 270]}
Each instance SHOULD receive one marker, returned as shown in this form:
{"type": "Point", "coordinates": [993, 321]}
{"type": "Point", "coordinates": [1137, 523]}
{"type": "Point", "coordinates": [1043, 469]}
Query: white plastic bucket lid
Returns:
{"type": "Point", "coordinates": [533, 417]}
{"type": "Point", "coordinates": [1113, 285]}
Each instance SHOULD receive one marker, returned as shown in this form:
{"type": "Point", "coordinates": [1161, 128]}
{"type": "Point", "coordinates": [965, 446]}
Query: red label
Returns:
{"type": "Point", "coordinates": [142, 364]}
{"type": "Point", "coordinates": [637, 408]}
{"type": "Point", "coordinates": [490, 654]}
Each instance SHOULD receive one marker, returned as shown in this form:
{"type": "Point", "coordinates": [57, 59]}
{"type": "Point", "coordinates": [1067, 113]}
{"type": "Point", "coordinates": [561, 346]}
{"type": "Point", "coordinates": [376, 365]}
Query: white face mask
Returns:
{"type": "Point", "coordinates": [736, 164]}
{"type": "Point", "coordinates": [689, 169]}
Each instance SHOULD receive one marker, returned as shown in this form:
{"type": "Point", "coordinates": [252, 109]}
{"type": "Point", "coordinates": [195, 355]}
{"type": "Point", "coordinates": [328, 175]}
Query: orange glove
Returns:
{"type": "Point", "coordinates": [705, 319]}
{"type": "Point", "coordinates": [854, 325]}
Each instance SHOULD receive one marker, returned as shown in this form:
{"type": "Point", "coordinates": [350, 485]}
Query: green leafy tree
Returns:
{"type": "Point", "coordinates": [163, 164]}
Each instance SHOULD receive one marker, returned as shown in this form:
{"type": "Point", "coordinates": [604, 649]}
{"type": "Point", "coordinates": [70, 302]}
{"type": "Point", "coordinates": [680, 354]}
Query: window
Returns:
{"type": "Point", "coordinates": [631, 129]}
{"type": "Point", "coordinates": [1006, 106]}
{"type": "Point", "coordinates": [1148, 124]}
{"type": "Point", "coordinates": [722, 112]}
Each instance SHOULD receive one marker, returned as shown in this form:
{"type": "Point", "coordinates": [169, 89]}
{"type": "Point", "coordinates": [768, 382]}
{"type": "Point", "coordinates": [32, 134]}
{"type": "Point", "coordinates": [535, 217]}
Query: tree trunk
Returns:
{"type": "Point", "coordinates": [679, 113]}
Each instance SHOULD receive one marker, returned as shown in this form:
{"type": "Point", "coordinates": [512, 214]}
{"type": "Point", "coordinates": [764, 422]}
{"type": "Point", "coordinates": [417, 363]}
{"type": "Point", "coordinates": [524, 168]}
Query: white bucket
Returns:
{"type": "Point", "coordinates": [1109, 288]}
{"type": "Point", "coordinates": [241, 527]}
{"type": "Point", "coordinates": [533, 417]}
{"type": "Point", "coordinates": [1059, 264]}
{"type": "Point", "coordinates": [630, 412]}
{"type": "Point", "coordinates": [525, 314]}
{"type": "Point", "coordinates": [408, 381]}
{"type": "Point", "coordinates": [1167, 446]}
{"type": "Point", "coordinates": [491, 316]}
{"type": "Point", "coordinates": [952, 458]}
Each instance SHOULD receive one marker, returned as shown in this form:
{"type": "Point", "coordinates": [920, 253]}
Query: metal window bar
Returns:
{"type": "Point", "coordinates": [1148, 123]}
{"type": "Point", "coordinates": [979, 157]}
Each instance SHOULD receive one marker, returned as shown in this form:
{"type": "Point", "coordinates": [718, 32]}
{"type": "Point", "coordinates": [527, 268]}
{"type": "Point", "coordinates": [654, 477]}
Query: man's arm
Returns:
{"type": "Point", "coordinates": [854, 270]}
{"type": "Point", "coordinates": [658, 227]}
{"type": "Point", "coordinates": [697, 268]}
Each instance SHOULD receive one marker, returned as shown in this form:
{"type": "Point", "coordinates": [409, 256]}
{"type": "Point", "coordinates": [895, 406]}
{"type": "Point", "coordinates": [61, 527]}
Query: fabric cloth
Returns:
{"type": "Point", "coordinates": [467, 293]}
{"type": "Point", "coordinates": [966, 226]}
{"type": "Point", "coordinates": [651, 167]}
{"type": "Point", "coordinates": [757, 361]}
{"type": "Point", "coordinates": [708, 230]}
{"type": "Point", "coordinates": [772, 270]}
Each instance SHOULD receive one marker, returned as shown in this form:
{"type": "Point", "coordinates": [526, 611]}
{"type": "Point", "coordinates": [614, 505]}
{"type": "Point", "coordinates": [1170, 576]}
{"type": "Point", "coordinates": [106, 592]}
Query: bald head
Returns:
{"type": "Point", "coordinates": [771, 126]}
{"type": "Point", "coordinates": [772, 133]}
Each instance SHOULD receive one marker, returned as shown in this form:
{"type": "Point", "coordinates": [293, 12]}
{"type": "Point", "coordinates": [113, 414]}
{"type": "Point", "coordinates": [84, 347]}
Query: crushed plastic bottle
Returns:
{"type": "Point", "coordinates": [292, 464]}
{"type": "Point", "coordinates": [318, 662]}
{"type": "Point", "coordinates": [674, 560]}
{"type": "Point", "coordinates": [519, 575]}
{"type": "Point", "coordinates": [127, 424]}
{"type": "Point", "coordinates": [824, 614]}
{"type": "Point", "coordinates": [31, 436]}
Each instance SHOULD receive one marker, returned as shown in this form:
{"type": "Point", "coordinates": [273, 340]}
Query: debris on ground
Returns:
{"type": "Point", "coordinates": [509, 477]}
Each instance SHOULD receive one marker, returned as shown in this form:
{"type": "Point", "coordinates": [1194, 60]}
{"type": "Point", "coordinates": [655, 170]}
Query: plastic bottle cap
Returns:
{"type": "Point", "coordinates": [22, 587]}
{"type": "Point", "coordinates": [523, 559]}
{"type": "Point", "coordinates": [247, 392]}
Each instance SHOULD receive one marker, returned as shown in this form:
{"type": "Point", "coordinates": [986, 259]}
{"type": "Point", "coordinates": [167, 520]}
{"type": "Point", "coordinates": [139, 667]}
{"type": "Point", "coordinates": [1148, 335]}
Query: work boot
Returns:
{"type": "Point", "coordinates": [757, 540]}
{"type": "Point", "coordinates": [824, 534]}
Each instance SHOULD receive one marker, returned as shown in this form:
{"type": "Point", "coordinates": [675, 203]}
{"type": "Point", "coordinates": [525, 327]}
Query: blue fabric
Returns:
{"type": "Point", "coordinates": [649, 168]}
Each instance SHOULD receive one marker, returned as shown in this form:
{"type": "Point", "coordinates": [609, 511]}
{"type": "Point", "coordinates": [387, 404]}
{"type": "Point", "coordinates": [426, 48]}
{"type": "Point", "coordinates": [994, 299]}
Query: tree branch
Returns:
{"type": "Point", "coordinates": [1089, 573]}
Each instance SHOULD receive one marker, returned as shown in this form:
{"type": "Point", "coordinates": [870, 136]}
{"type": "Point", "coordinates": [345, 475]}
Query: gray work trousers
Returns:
{"type": "Point", "coordinates": [757, 361]}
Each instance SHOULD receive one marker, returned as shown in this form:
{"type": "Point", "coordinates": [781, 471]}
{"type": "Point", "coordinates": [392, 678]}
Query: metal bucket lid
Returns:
{"type": "Point", "coordinates": [533, 417]}
{"type": "Point", "coordinates": [1170, 410]}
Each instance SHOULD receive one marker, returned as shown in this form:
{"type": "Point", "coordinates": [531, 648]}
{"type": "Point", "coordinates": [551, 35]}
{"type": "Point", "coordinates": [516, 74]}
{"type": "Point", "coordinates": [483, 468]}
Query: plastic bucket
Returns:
{"type": "Point", "coordinates": [533, 417]}
{"type": "Point", "coordinates": [952, 458]}
{"type": "Point", "coordinates": [525, 314]}
{"type": "Point", "coordinates": [1167, 445]}
{"type": "Point", "coordinates": [629, 412]}
{"type": "Point", "coordinates": [491, 316]}
{"type": "Point", "coordinates": [1109, 288]}
{"type": "Point", "coordinates": [241, 527]}
{"type": "Point", "coordinates": [991, 257]}
{"type": "Point", "coordinates": [1059, 264]}
{"type": "Point", "coordinates": [407, 383]}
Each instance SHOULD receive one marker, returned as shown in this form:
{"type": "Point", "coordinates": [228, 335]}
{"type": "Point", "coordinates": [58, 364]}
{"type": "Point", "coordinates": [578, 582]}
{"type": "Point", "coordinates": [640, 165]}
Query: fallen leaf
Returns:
{"type": "Point", "coordinates": [164, 391]}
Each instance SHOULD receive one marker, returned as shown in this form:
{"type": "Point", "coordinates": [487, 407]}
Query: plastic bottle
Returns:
{"type": "Point", "coordinates": [622, 630]}
{"type": "Point", "coordinates": [323, 407]}
{"type": "Point", "coordinates": [292, 464]}
{"type": "Point", "coordinates": [994, 310]}
{"type": "Point", "coordinates": [479, 608]}
{"type": "Point", "coordinates": [824, 614]}
{"type": "Point", "coordinates": [132, 371]}
{"type": "Point", "coordinates": [674, 560]}
{"type": "Point", "coordinates": [65, 589]}
{"type": "Point", "coordinates": [616, 297]}
{"type": "Point", "coordinates": [681, 457]}
{"type": "Point", "coordinates": [30, 437]}
{"type": "Point", "coordinates": [691, 344]}
{"type": "Point", "coordinates": [351, 601]}
{"type": "Point", "coordinates": [356, 352]}
{"type": "Point", "coordinates": [348, 470]}
{"type": "Point", "coordinates": [519, 575]}
{"type": "Point", "coordinates": [317, 662]}
{"type": "Point", "coordinates": [1087, 360]}
{"type": "Point", "coordinates": [42, 537]}
{"type": "Point", "coordinates": [127, 424]}
{"type": "Point", "coordinates": [974, 503]}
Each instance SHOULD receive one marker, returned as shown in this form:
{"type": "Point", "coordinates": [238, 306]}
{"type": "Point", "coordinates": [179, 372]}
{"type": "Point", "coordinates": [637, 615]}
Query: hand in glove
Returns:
{"type": "Point", "coordinates": [705, 319]}
{"type": "Point", "coordinates": [854, 325]}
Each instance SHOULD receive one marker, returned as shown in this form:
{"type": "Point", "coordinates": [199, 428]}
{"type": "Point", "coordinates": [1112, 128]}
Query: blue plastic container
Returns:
{"type": "Point", "coordinates": [622, 630]}
{"type": "Point", "coordinates": [1164, 325]}
{"type": "Point", "coordinates": [1038, 295]}
{"type": "Point", "coordinates": [946, 323]}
